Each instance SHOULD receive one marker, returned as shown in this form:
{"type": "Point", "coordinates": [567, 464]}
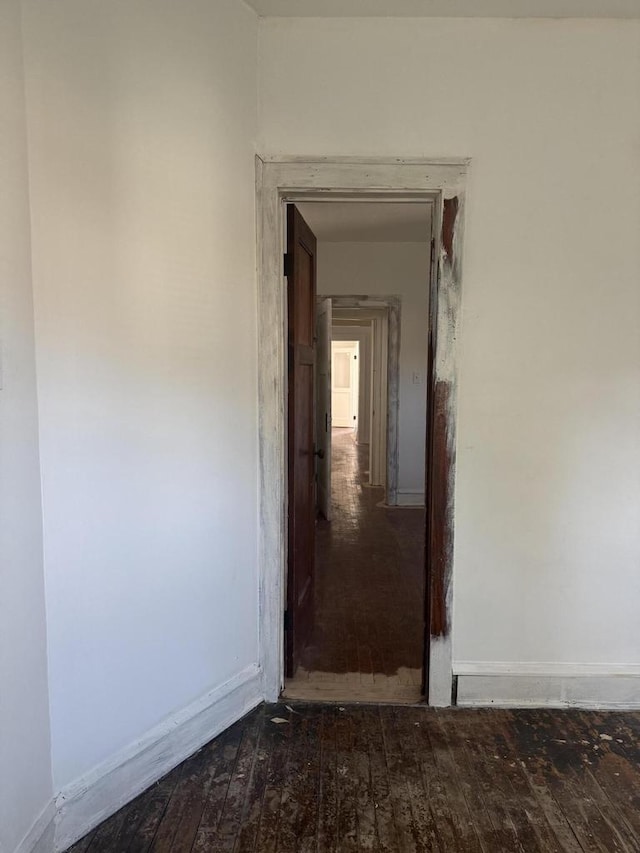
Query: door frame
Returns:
{"type": "Point", "coordinates": [385, 310]}
{"type": "Point", "coordinates": [360, 331]}
{"type": "Point", "coordinates": [442, 182]}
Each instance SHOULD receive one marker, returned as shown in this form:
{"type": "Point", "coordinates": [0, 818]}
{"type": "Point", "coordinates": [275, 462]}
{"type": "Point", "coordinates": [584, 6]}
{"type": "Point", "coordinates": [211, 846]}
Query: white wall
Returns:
{"type": "Point", "coordinates": [25, 759]}
{"type": "Point", "coordinates": [548, 490]}
{"type": "Point", "coordinates": [391, 269]}
{"type": "Point", "coordinates": [142, 121]}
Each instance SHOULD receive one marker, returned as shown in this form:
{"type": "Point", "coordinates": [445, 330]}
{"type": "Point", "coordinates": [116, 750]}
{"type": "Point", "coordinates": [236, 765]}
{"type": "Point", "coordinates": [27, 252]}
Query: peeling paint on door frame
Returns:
{"type": "Point", "coordinates": [442, 182]}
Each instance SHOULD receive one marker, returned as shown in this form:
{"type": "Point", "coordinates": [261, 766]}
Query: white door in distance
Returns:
{"type": "Point", "coordinates": [344, 383]}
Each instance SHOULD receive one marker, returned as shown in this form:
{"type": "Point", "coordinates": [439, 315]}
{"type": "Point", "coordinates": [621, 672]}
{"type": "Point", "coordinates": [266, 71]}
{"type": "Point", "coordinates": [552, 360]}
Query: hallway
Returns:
{"type": "Point", "coordinates": [367, 641]}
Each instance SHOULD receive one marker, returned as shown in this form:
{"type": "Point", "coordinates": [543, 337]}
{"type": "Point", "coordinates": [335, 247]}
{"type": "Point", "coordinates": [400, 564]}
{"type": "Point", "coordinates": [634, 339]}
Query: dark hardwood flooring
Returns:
{"type": "Point", "coordinates": [390, 778]}
{"type": "Point", "coordinates": [368, 633]}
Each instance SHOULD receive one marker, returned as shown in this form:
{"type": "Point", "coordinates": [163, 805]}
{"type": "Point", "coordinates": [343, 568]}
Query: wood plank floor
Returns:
{"type": "Point", "coordinates": [368, 636]}
{"type": "Point", "coordinates": [395, 778]}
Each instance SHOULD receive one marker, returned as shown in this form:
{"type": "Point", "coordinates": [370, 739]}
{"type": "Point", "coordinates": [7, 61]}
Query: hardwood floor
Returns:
{"type": "Point", "coordinates": [367, 641]}
{"type": "Point", "coordinates": [395, 778]}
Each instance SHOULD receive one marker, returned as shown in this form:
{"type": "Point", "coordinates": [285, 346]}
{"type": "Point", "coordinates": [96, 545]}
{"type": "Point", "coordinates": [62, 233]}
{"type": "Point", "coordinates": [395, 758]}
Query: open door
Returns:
{"type": "Point", "coordinates": [323, 406]}
{"type": "Point", "coordinates": [300, 269]}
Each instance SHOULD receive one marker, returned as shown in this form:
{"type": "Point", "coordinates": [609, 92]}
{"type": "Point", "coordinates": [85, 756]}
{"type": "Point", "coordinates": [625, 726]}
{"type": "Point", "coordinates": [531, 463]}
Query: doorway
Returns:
{"type": "Point", "coordinates": [365, 637]}
{"type": "Point", "coordinates": [376, 322]}
{"type": "Point", "coordinates": [443, 183]}
{"type": "Point", "coordinates": [345, 383]}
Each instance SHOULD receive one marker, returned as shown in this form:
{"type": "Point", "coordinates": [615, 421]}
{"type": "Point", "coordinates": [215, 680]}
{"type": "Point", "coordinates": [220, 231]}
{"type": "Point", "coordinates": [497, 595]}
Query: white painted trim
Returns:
{"type": "Point", "coordinates": [294, 179]}
{"type": "Point", "coordinates": [440, 674]}
{"type": "Point", "coordinates": [385, 401]}
{"type": "Point", "coordinates": [545, 668]}
{"type": "Point", "coordinates": [410, 497]}
{"type": "Point", "coordinates": [95, 796]}
{"type": "Point", "coordinates": [459, 163]}
{"type": "Point", "coordinates": [550, 691]}
{"type": "Point", "coordinates": [39, 838]}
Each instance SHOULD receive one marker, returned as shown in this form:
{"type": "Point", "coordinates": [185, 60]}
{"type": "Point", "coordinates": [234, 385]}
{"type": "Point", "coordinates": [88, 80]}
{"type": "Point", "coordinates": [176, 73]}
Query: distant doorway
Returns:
{"type": "Point", "coordinates": [375, 322]}
{"type": "Point", "coordinates": [345, 368]}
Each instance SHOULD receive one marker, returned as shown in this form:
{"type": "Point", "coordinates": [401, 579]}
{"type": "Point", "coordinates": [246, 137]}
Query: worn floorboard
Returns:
{"type": "Point", "coordinates": [399, 779]}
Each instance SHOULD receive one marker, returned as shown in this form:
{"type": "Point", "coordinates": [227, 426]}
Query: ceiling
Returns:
{"type": "Point", "coordinates": [368, 222]}
{"type": "Point", "coordinates": [448, 8]}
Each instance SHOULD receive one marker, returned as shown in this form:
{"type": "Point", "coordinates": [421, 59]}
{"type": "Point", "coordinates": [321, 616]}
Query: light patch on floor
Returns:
{"type": "Point", "coordinates": [402, 688]}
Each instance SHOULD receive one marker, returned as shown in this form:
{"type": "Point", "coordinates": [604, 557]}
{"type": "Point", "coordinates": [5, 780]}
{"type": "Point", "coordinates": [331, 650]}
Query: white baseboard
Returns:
{"type": "Point", "coordinates": [407, 497]}
{"type": "Point", "coordinates": [40, 837]}
{"type": "Point", "coordinates": [91, 799]}
{"type": "Point", "coordinates": [548, 684]}
{"type": "Point", "coordinates": [553, 668]}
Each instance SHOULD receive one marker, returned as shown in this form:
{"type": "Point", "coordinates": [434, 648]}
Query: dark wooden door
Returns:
{"type": "Point", "coordinates": [301, 302]}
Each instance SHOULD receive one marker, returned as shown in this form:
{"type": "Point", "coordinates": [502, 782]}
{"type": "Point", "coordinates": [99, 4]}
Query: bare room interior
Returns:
{"type": "Point", "coordinates": [186, 537]}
